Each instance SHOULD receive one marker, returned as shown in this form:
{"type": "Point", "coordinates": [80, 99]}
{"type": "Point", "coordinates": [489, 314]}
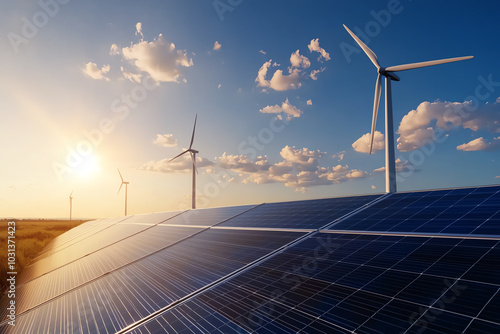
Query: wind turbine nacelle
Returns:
{"type": "Point", "coordinates": [391, 75]}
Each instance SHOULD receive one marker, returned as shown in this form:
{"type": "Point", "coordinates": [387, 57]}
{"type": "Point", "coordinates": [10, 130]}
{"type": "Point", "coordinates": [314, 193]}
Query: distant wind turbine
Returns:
{"type": "Point", "coordinates": [70, 204]}
{"type": "Point", "coordinates": [126, 186]}
{"type": "Point", "coordinates": [192, 152]}
{"type": "Point", "coordinates": [388, 73]}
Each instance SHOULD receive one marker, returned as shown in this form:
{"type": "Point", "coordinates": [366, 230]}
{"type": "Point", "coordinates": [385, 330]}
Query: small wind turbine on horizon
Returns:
{"type": "Point", "coordinates": [70, 205]}
{"type": "Point", "coordinates": [192, 153]}
{"type": "Point", "coordinates": [126, 188]}
{"type": "Point", "coordinates": [388, 73]}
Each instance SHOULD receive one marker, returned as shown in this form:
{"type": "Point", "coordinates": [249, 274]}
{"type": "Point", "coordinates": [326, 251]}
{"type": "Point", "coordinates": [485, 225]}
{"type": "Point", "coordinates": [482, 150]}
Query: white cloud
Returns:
{"type": "Point", "coordinates": [303, 159]}
{"type": "Point", "coordinates": [417, 128]}
{"type": "Point", "coordinates": [278, 82]}
{"type": "Point", "coordinates": [159, 59]}
{"type": "Point", "coordinates": [315, 72]}
{"type": "Point", "coordinates": [290, 110]}
{"type": "Point", "coordinates": [299, 61]}
{"type": "Point", "coordinates": [400, 166]}
{"type": "Point", "coordinates": [363, 144]}
{"type": "Point", "coordinates": [339, 156]}
{"type": "Point", "coordinates": [114, 50]}
{"type": "Point", "coordinates": [166, 140]}
{"type": "Point", "coordinates": [299, 169]}
{"type": "Point", "coordinates": [183, 164]}
{"type": "Point", "coordinates": [262, 51]}
{"type": "Point", "coordinates": [480, 144]}
{"type": "Point", "coordinates": [134, 77]}
{"type": "Point", "coordinates": [138, 30]}
{"type": "Point", "coordinates": [314, 46]}
{"type": "Point", "coordinates": [309, 102]}
{"type": "Point", "coordinates": [94, 72]}
{"type": "Point", "coordinates": [217, 45]}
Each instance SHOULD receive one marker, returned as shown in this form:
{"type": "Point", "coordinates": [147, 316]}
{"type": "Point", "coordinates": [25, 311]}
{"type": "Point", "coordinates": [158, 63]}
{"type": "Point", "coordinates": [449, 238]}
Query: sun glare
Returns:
{"type": "Point", "coordinates": [88, 167]}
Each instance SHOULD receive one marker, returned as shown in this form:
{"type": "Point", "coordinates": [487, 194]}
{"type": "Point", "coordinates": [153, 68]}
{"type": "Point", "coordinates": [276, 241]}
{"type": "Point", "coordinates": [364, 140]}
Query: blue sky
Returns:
{"type": "Point", "coordinates": [283, 95]}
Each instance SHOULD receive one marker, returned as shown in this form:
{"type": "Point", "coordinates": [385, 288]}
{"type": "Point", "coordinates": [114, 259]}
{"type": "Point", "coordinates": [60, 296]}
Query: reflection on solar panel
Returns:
{"type": "Point", "coordinates": [300, 214]}
{"type": "Point", "coordinates": [462, 211]}
{"type": "Point", "coordinates": [402, 263]}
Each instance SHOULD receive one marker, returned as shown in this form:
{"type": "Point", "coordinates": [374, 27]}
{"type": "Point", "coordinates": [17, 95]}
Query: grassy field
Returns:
{"type": "Point", "coordinates": [31, 236]}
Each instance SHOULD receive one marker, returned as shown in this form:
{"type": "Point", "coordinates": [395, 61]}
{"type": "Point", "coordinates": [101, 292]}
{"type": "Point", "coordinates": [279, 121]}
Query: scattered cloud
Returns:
{"type": "Point", "coordinates": [217, 45]}
{"type": "Point", "coordinates": [286, 108]}
{"type": "Point", "coordinates": [339, 156]}
{"type": "Point", "coordinates": [314, 46]}
{"type": "Point", "coordinates": [418, 127]}
{"type": "Point", "coordinates": [400, 166]}
{"type": "Point", "coordinates": [278, 82]}
{"type": "Point", "coordinates": [299, 169]}
{"type": "Point", "coordinates": [114, 50]}
{"type": "Point", "coordinates": [183, 164]}
{"type": "Point", "coordinates": [315, 72]}
{"type": "Point", "coordinates": [309, 102]}
{"type": "Point", "coordinates": [134, 77]}
{"type": "Point", "coordinates": [262, 51]}
{"type": "Point", "coordinates": [363, 144]}
{"type": "Point", "coordinates": [159, 59]}
{"type": "Point", "coordinates": [480, 144]}
{"type": "Point", "coordinates": [166, 140]}
{"type": "Point", "coordinates": [138, 30]}
{"type": "Point", "coordinates": [95, 72]}
{"type": "Point", "coordinates": [298, 61]}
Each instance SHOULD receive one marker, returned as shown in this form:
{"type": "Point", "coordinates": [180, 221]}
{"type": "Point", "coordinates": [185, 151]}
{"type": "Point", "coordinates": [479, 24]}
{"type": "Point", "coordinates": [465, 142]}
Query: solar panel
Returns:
{"type": "Point", "coordinates": [400, 263]}
{"type": "Point", "coordinates": [45, 287]}
{"type": "Point", "coordinates": [393, 290]}
{"type": "Point", "coordinates": [207, 217]}
{"type": "Point", "coordinates": [452, 211]}
{"type": "Point", "coordinates": [300, 214]}
{"type": "Point", "coordinates": [134, 291]}
{"type": "Point", "coordinates": [80, 249]}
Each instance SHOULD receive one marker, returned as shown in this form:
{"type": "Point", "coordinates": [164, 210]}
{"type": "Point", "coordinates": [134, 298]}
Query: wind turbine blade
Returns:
{"type": "Point", "coordinates": [119, 188]}
{"type": "Point", "coordinates": [376, 102]}
{"type": "Point", "coordinates": [194, 162]}
{"type": "Point", "coordinates": [178, 155]}
{"type": "Point", "coordinates": [71, 194]}
{"type": "Point", "coordinates": [120, 174]}
{"type": "Point", "coordinates": [194, 128]}
{"type": "Point", "coordinates": [366, 49]}
{"type": "Point", "coordinates": [398, 68]}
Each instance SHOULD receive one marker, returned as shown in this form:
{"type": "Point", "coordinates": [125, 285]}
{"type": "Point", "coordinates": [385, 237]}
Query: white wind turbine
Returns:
{"type": "Point", "coordinates": [126, 186]}
{"type": "Point", "coordinates": [388, 73]}
{"type": "Point", "coordinates": [192, 152]}
{"type": "Point", "coordinates": [70, 204]}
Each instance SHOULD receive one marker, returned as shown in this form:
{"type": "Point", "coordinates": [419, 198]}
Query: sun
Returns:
{"type": "Point", "coordinates": [88, 167]}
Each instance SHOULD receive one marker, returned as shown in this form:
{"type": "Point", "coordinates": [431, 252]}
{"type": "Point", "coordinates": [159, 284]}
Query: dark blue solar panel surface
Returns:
{"type": "Point", "coordinates": [132, 292]}
{"type": "Point", "coordinates": [436, 274]}
{"type": "Point", "coordinates": [366, 284]}
{"type": "Point", "coordinates": [90, 267]}
{"type": "Point", "coordinates": [310, 214]}
{"type": "Point", "coordinates": [453, 211]}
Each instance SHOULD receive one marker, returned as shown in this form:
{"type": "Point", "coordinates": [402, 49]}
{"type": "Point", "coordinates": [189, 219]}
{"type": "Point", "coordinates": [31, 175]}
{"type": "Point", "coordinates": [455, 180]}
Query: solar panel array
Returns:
{"type": "Point", "coordinates": [401, 263]}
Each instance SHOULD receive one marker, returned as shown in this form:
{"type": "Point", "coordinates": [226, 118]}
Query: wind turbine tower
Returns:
{"type": "Point", "coordinates": [126, 186]}
{"type": "Point", "coordinates": [192, 152]}
{"type": "Point", "coordinates": [388, 73]}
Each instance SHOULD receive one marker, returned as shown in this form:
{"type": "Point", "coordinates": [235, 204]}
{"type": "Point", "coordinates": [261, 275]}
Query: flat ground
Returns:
{"type": "Point", "coordinates": [31, 236]}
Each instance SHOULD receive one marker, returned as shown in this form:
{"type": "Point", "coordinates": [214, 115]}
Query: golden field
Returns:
{"type": "Point", "coordinates": [31, 236]}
